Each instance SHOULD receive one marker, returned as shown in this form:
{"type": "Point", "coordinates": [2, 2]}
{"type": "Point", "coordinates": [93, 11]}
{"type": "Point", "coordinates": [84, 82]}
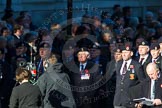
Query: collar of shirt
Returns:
{"type": "Point", "coordinates": [24, 81]}
{"type": "Point", "coordinates": [17, 36]}
{"type": "Point", "coordinates": [145, 57]}
{"type": "Point", "coordinates": [154, 59]}
{"type": "Point", "coordinates": [84, 65]}
{"type": "Point", "coordinates": [128, 62]}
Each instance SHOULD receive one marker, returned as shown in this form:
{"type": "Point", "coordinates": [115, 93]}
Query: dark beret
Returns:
{"type": "Point", "coordinates": [20, 44]}
{"type": "Point", "coordinates": [144, 43]}
{"type": "Point", "coordinates": [126, 48]}
{"type": "Point", "coordinates": [83, 49]}
{"type": "Point", "coordinates": [29, 37]}
{"type": "Point", "coordinates": [155, 46]}
{"type": "Point", "coordinates": [44, 45]}
{"type": "Point", "coordinates": [120, 40]}
{"type": "Point", "coordinates": [118, 49]}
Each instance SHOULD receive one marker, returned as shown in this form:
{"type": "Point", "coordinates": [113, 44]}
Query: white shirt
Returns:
{"type": "Point", "coordinates": [154, 60]}
{"type": "Point", "coordinates": [128, 63]}
{"type": "Point", "coordinates": [84, 65]}
{"type": "Point", "coordinates": [152, 93]}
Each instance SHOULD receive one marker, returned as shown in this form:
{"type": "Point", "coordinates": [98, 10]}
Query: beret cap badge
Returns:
{"type": "Point", "coordinates": [143, 43]}
{"type": "Point", "coordinates": [156, 48]}
{"type": "Point", "coordinates": [127, 48]}
{"type": "Point", "coordinates": [118, 50]}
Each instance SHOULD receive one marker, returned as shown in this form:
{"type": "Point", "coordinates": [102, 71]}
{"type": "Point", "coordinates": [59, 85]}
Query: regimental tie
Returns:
{"type": "Point", "coordinates": [81, 67]}
{"type": "Point", "coordinates": [141, 61]}
{"type": "Point", "coordinates": [154, 61]}
{"type": "Point", "coordinates": [124, 69]}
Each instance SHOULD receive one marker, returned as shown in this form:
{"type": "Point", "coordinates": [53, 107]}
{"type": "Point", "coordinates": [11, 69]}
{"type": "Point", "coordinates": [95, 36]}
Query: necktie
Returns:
{"type": "Point", "coordinates": [141, 60]}
{"type": "Point", "coordinates": [152, 89]}
{"type": "Point", "coordinates": [154, 61]}
{"type": "Point", "coordinates": [40, 68]}
{"type": "Point", "coordinates": [124, 69]}
{"type": "Point", "coordinates": [81, 67]}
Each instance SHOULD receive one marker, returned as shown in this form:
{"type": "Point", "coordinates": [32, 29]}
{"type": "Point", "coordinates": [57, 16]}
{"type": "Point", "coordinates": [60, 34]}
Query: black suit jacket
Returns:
{"type": "Point", "coordinates": [16, 39]}
{"type": "Point", "coordinates": [25, 95]}
{"type": "Point", "coordinates": [111, 69]}
{"type": "Point", "coordinates": [131, 78]}
{"type": "Point", "coordinates": [159, 62]}
{"type": "Point", "coordinates": [143, 90]}
{"type": "Point", "coordinates": [148, 60]}
{"type": "Point", "coordinates": [146, 87]}
{"type": "Point", "coordinates": [84, 89]}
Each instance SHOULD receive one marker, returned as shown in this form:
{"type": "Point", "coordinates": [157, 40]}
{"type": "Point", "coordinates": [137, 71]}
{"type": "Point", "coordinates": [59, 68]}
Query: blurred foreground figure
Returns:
{"type": "Point", "coordinates": [150, 88]}
{"type": "Point", "coordinates": [54, 85]}
{"type": "Point", "coordinates": [25, 95]}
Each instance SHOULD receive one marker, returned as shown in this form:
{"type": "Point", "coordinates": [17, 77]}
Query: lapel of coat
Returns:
{"type": "Point", "coordinates": [128, 69]}
{"type": "Point", "coordinates": [148, 88]}
{"type": "Point", "coordinates": [148, 60]}
{"type": "Point", "coordinates": [119, 65]}
{"type": "Point", "coordinates": [158, 86]}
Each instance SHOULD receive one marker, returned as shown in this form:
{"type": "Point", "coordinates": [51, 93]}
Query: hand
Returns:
{"type": "Point", "coordinates": [157, 102]}
{"type": "Point", "coordinates": [139, 105]}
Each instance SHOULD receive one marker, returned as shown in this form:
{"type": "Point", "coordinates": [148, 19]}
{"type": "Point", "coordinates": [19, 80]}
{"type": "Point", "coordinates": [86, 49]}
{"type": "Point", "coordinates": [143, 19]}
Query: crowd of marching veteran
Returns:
{"type": "Point", "coordinates": [104, 61]}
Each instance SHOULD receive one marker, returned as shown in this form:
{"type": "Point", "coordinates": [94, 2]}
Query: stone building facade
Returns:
{"type": "Point", "coordinates": [47, 11]}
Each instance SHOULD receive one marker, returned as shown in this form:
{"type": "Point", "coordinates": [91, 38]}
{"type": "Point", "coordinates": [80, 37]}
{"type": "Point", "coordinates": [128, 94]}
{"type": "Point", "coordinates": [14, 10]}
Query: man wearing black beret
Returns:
{"type": "Point", "coordinates": [111, 75]}
{"type": "Point", "coordinates": [144, 57]}
{"type": "Point", "coordinates": [84, 74]}
{"type": "Point", "coordinates": [155, 54]}
{"type": "Point", "coordinates": [128, 73]}
{"type": "Point", "coordinates": [44, 54]}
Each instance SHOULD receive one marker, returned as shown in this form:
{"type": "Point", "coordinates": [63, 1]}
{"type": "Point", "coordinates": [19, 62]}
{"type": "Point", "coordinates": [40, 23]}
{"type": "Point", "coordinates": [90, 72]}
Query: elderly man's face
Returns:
{"type": "Point", "coordinates": [126, 55]}
{"type": "Point", "coordinates": [82, 57]}
{"type": "Point", "coordinates": [143, 50]}
{"type": "Point", "coordinates": [152, 73]}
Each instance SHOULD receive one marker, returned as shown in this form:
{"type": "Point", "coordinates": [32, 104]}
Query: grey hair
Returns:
{"type": "Point", "coordinates": [153, 65]}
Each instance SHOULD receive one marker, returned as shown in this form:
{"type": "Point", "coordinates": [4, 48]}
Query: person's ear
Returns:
{"type": "Point", "coordinates": [131, 53]}
{"type": "Point", "coordinates": [148, 49]}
